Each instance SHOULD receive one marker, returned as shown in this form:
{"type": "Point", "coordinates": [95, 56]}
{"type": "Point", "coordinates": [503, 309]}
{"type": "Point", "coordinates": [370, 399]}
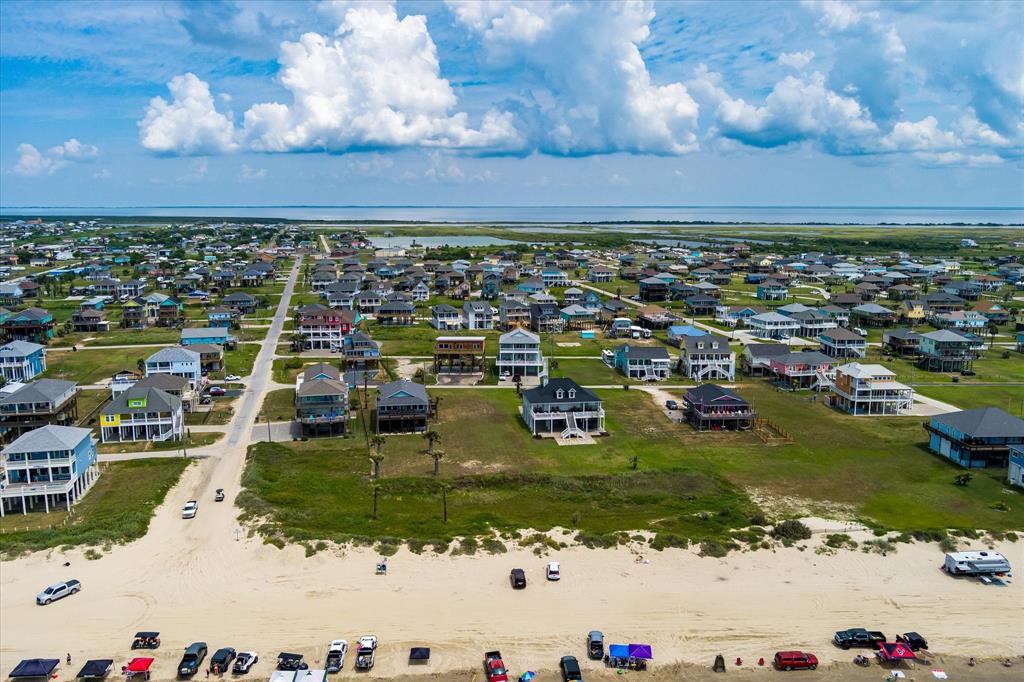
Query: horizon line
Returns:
{"type": "Point", "coordinates": [514, 206]}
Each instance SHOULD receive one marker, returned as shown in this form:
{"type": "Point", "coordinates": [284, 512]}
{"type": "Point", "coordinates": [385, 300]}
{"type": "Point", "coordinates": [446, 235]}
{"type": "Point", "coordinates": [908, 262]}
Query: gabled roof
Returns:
{"type": "Point", "coordinates": [712, 393]}
{"type": "Point", "coordinates": [984, 422]}
{"type": "Point", "coordinates": [842, 334]}
{"type": "Point", "coordinates": [518, 334]}
{"type": "Point", "coordinates": [546, 393]}
{"type": "Point", "coordinates": [164, 382]}
{"type": "Point", "coordinates": [401, 392]}
{"type": "Point", "coordinates": [944, 335]}
{"type": "Point", "coordinates": [767, 350]}
{"type": "Point", "coordinates": [42, 391]}
{"type": "Point", "coordinates": [804, 358]}
{"type": "Point", "coordinates": [644, 352]}
{"type": "Point", "coordinates": [174, 354]}
{"type": "Point", "coordinates": [19, 349]}
{"type": "Point", "coordinates": [203, 332]}
{"type": "Point", "coordinates": [317, 387]}
{"type": "Point", "coordinates": [321, 370]}
{"type": "Point", "coordinates": [48, 438]}
{"type": "Point", "coordinates": [156, 401]}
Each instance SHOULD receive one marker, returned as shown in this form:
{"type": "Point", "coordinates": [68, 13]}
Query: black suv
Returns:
{"type": "Point", "coordinates": [193, 658]}
{"type": "Point", "coordinates": [518, 578]}
{"type": "Point", "coordinates": [570, 669]}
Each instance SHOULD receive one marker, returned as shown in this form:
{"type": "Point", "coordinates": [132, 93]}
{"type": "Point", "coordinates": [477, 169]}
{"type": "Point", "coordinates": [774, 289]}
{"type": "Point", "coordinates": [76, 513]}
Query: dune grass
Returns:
{"type": "Point", "coordinates": [117, 509]}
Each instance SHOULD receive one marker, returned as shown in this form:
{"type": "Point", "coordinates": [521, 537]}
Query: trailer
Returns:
{"type": "Point", "coordinates": [976, 563]}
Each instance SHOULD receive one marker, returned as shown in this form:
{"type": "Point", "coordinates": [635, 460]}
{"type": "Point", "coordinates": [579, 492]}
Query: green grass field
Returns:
{"type": "Point", "coordinates": [193, 440]}
{"type": "Point", "coordinates": [967, 397]}
{"type": "Point", "coordinates": [116, 510]}
{"type": "Point", "coordinates": [89, 366]}
{"type": "Point", "coordinates": [688, 484]}
{"type": "Point", "coordinates": [279, 404]}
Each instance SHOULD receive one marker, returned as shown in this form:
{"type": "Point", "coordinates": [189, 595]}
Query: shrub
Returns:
{"type": "Point", "coordinates": [92, 555]}
{"type": "Point", "coordinates": [948, 544]}
{"type": "Point", "coordinates": [596, 540]}
{"type": "Point", "coordinates": [791, 529]}
{"type": "Point", "coordinates": [663, 540]}
{"type": "Point", "coordinates": [388, 547]}
{"type": "Point", "coordinates": [467, 546]}
{"type": "Point", "coordinates": [494, 546]}
{"type": "Point", "coordinates": [710, 548]}
{"type": "Point", "coordinates": [758, 519]}
{"type": "Point", "coordinates": [840, 541]}
{"type": "Point", "coordinates": [416, 546]}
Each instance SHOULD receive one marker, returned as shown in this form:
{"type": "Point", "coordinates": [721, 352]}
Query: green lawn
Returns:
{"type": "Point", "coordinates": [591, 372]}
{"type": "Point", "coordinates": [89, 402]}
{"type": "Point", "coordinates": [689, 484]}
{"type": "Point", "coordinates": [279, 404]}
{"type": "Point", "coordinates": [223, 409]}
{"type": "Point", "coordinates": [193, 440]}
{"type": "Point", "coordinates": [967, 397]}
{"type": "Point", "coordinates": [239, 361]}
{"type": "Point", "coordinates": [91, 365]}
{"type": "Point", "coordinates": [116, 510]}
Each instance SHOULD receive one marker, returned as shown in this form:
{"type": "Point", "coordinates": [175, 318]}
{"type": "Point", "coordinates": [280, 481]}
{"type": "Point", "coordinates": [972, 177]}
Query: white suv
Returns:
{"type": "Point", "coordinates": [190, 509]}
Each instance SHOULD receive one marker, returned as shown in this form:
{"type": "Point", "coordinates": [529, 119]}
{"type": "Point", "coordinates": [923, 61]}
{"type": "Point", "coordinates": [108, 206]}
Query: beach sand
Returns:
{"type": "Point", "coordinates": [194, 581]}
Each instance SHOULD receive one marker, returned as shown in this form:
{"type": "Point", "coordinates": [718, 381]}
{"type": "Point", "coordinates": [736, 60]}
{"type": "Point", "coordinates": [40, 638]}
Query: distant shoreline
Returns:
{"type": "Point", "coordinates": [583, 216]}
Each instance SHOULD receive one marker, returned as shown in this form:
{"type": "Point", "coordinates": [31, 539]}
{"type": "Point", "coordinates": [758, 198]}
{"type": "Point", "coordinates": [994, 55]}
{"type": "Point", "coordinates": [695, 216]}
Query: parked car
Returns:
{"type": "Point", "coordinates": [217, 391]}
{"type": "Point", "coordinates": [190, 510]}
{"type": "Point", "coordinates": [967, 373]}
{"type": "Point", "coordinates": [671, 404]}
{"type": "Point", "coordinates": [336, 651]}
{"type": "Point", "coordinates": [858, 637]}
{"type": "Point", "coordinates": [221, 660]}
{"type": "Point", "coordinates": [570, 668]}
{"type": "Point", "coordinates": [554, 571]}
{"type": "Point", "coordinates": [244, 662]}
{"type": "Point", "coordinates": [232, 377]}
{"type": "Point", "coordinates": [860, 330]}
{"type": "Point", "coordinates": [58, 591]}
{"type": "Point", "coordinates": [193, 658]}
{"type": "Point", "coordinates": [518, 578]}
{"type": "Point", "coordinates": [595, 645]}
{"type": "Point", "coordinates": [795, 660]}
{"type": "Point", "coordinates": [219, 495]}
{"type": "Point", "coordinates": [205, 400]}
{"type": "Point", "coordinates": [913, 640]}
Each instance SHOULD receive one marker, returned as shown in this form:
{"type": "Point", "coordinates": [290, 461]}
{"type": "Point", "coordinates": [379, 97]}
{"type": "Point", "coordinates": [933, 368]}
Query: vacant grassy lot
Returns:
{"type": "Point", "coordinates": [593, 372]}
{"type": "Point", "coordinates": [967, 397]}
{"type": "Point", "coordinates": [89, 403]}
{"type": "Point", "coordinates": [688, 484]}
{"type": "Point", "coordinates": [279, 404]}
{"type": "Point", "coordinates": [192, 440]}
{"type": "Point", "coordinates": [92, 365]}
{"type": "Point", "coordinates": [116, 510]}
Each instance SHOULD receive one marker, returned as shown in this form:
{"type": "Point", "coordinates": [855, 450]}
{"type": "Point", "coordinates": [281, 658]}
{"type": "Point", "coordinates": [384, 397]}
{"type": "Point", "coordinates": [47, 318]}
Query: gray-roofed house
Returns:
{"type": "Point", "coordinates": [650, 363]}
{"type": "Point", "coordinates": [402, 407]}
{"type": "Point", "coordinates": [945, 350]}
{"type": "Point", "coordinates": [707, 357]}
{"type": "Point", "coordinates": [178, 361]}
{"type": "Point", "coordinates": [975, 438]}
{"type": "Point", "coordinates": [902, 342]}
{"type": "Point", "coordinates": [756, 358]}
{"type": "Point", "coordinates": [713, 408]}
{"type": "Point", "coordinates": [444, 317]}
{"type": "Point", "coordinates": [47, 401]}
{"type": "Point", "coordinates": [218, 335]}
{"type": "Point", "coordinates": [178, 386]}
{"type": "Point", "coordinates": [142, 413]}
{"type": "Point", "coordinates": [843, 343]}
{"type": "Point", "coordinates": [321, 401]}
{"type": "Point", "coordinates": [22, 360]}
{"type": "Point", "coordinates": [519, 354]}
{"type": "Point", "coordinates": [562, 408]}
{"type": "Point", "coordinates": [46, 468]}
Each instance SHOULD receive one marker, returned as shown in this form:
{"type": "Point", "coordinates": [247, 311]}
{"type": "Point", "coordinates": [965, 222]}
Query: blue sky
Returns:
{"type": "Point", "coordinates": [511, 103]}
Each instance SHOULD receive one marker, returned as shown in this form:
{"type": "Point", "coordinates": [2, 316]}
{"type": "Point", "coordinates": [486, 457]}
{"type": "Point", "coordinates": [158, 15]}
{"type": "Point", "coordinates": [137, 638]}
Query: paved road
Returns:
{"type": "Point", "coordinates": [240, 429]}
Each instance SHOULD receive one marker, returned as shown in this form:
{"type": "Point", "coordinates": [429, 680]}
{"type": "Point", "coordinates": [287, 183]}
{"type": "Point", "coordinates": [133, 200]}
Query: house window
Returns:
{"type": "Point", "coordinates": [572, 393]}
{"type": "Point", "coordinates": [558, 394]}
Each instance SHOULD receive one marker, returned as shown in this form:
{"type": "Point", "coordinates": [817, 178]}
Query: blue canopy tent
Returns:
{"type": "Point", "coordinates": [35, 667]}
{"type": "Point", "coordinates": [99, 667]}
{"type": "Point", "coordinates": [618, 651]}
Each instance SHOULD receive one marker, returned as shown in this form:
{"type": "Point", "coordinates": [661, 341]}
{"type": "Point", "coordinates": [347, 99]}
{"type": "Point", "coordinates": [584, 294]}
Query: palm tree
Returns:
{"type": "Point", "coordinates": [377, 457]}
{"type": "Point", "coordinates": [992, 331]}
{"type": "Point", "coordinates": [431, 437]}
{"type": "Point", "coordinates": [437, 456]}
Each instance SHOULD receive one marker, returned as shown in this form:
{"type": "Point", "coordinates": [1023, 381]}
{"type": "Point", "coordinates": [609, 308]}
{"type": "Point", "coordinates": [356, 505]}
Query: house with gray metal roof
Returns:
{"type": "Point", "coordinates": [403, 406]}
{"type": "Point", "coordinates": [562, 408]}
{"type": "Point", "coordinates": [47, 401]}
{"type": "Point", "coordinates": [22, 360]}
{"type": "Point", "coordinates": [975, 438]}
{"type": "Point", "coordinates": [142, 413]}
{"type": "Point", "coordinates": [46, 469]}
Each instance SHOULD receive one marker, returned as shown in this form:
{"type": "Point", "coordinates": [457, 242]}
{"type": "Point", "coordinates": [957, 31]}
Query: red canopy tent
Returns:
{"type": "Point", "coordinates": [137, 666]}
{"type": "Point", "coordinates": [895, 651]}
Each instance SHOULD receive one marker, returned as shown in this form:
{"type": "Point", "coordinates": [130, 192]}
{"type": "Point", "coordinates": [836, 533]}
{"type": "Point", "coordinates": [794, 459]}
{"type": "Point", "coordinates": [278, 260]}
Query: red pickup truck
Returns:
{"type": "Point", "coordinates": [494, 667]}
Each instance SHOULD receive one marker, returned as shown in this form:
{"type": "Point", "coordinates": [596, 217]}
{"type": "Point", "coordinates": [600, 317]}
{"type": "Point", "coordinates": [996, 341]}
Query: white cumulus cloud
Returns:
{"type": "Point", "coordinates": [32, 162]}
{"type": "Point", "coordinates": [588, 90]}
{"type": "Point", "coordinates": [188, 125]}
{"type": "Point", "coordinates": [924, 135]}
{"type": "Point", "coordinates": [796, 60]}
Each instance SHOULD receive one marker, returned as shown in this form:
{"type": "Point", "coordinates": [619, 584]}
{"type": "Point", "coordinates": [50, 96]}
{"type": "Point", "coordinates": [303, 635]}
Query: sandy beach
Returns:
{"type": "Point", "coordinates": [194, 581]}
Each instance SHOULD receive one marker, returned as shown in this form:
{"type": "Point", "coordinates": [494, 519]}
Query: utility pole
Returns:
{"type": "Point", "coordinates": [270, 438]}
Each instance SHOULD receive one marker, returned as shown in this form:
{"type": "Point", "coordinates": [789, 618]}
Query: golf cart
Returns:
{"type": "Point", "coordinates": [286, 661]}
{"type": "Point", "coordinates": [382, 566]}
{"type": "Point", "coordinates": [146, 640]}
{"type": "Point", "coordinates": [219, 495]}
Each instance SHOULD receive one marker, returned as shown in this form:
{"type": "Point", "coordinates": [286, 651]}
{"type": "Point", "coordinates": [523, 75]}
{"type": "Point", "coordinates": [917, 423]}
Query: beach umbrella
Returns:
{"type": "Point", "coordinates": [527, 676]}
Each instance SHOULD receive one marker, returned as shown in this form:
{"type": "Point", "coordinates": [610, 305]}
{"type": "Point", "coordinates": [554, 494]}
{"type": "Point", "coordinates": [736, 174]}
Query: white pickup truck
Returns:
{"type": "Point", "coordinates": [58, 591]}
{"type": "Point", "coordinates": [366, 649]}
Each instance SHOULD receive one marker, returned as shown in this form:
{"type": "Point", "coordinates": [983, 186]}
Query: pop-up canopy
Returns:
{"type": "Point", "coordinates": [895, 651]}
{"type": "Point", "coordinates": [618, 651]}
{"type": "Point", "coordinates": [139, 665]}
{"type": "Point", "coordinates": [98, 667]}
{"type": "Point", "coordinates": [419, 653]}
{"type": "Point", "coordinates": [35, 667]}
{"type": "Point", "coordinates": [640, 651]}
